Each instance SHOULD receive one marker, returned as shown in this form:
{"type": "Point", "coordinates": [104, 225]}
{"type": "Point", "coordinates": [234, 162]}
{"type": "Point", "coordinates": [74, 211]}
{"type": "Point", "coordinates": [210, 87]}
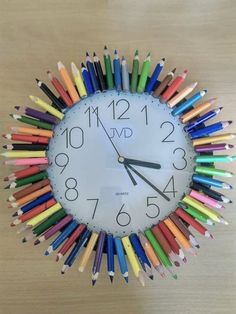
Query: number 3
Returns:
{"type": "Point", "coordinates": [184, 161]}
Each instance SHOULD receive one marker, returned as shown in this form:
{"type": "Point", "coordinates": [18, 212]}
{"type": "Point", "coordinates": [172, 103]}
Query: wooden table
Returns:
{"type": "Point", "coordinates": [199, 36]}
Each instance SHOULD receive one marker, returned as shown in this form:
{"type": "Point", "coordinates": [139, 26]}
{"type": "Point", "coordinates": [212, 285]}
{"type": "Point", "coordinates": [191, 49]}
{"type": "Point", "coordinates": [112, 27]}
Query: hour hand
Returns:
{"type": "Point", "coordinates": [141, 163]}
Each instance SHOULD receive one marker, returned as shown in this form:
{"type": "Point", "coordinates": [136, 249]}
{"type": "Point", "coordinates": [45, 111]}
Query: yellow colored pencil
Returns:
{"type": "Point", "coordinates": [213, 139]}
{"type": "Point", "coordinates": [37, 219]}
{"type": "Point", "coordinates": [24, 154]}
{"type": "Point", "coordinates": [47, 107]}
{"type": "Point", "coordinates": [133, 260]}
{"type": "Point", "coordinates": [68, 82]}
{"type": "Point", "coordinates": [78, 80]}
{"type": "Point", "coordinates": [87, 253]}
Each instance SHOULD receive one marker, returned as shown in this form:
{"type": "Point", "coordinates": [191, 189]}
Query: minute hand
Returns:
{"type": "Point", "coordinates": [141, 163]}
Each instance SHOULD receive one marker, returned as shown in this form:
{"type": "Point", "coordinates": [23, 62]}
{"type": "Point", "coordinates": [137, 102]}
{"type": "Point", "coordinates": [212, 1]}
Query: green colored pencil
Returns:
{"type": "Point", "coordinates": [213, 172]}
{"type": "Point", "coordinates": [134, 77]}
{"type": "Point", "coordinates": [212, 158]}
{"type": "Point", "coordinates": [108, 69]}
{"type": "Point", "coordinates": [196, 214]}
{"type": "Point", "coordinates": [40, 124]}
{"type": "Point", "coordinates": [34, 178]}
{"type": "Point", "coordinates": [144, 74]}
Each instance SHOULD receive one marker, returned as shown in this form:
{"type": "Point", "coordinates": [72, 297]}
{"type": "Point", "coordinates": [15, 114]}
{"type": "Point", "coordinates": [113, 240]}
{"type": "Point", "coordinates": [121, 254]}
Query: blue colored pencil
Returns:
{"type": "Point", "coordinates": [92, 73]}
{"type": "Point", "coordinates": [188, 103]}
{"type": "Point", "coordinates": [98, 257]}
{"type": "Point", "coordinates": [62, 237]}
{"type": "Point", "coordinates": [110, 257]}
{"type": "Point", "coordinates": [121, 258]}
{"type": "Point", "coordinates": [142, 257]}
{"type": "Point", "coordinates": [43, 198]}
{"type": "Point", "coordinates": [210, 129]}
{"type": "Point", "coordinates": [210, 182]}
{"type": "Point", "coordinates": [117, 71]}
{"type": "Point", "coordinates": [76, 250]}
{"type": "Point", "coordinates": [87, 80]}
{"type": "Point", "coordinates": [155, 75]}
{"type": "Point", "coordinates": [207, 116]}
{"type": "Point", "coordinates": [125, 75]}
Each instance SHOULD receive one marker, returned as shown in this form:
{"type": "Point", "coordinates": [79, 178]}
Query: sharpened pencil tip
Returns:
{"type": "Point", "coordinates": [7, 187]}
{"type": "Point", "coordinates": [24, 240]}
{"type": "Point", "coordinates": [105, 47]}
{"type": "Point", "coordinates": [126, 279]}
{"type": "Point", "coordinates": [111, 278]}
{"type": "Point", "coordinates": [163, 59]}
{"type": "Point", "coordinates": [12, 224]}
{"type": "Point", "coordinates": [175, 277]}
{"type": "Point", "coordinates": [151, 277]}
{"type": "Point", "coordinates": [87, 54]}
{"type": "Point", "coordinates": [230, 122]}
{"type": "Point", "coordinates": [37, 80]}
{"type": "Point", "coordinates": [4, 146]}
{"type": "Point", "coordinates": [136, 52]}
{"type": "Point", "coordinates": [17, 107]}
{"type": "Point", "coordinates": [93, 282]}
{"type": "Point", "coordinates": [6, 178]}
{"type": "Point", "coordinates": [62, 272]}
{"type": "Point", "coordinates": [46, 253]}
{"type": "Point", "coordinates": [115, 52]}
{"type": "Point", "coordinates": [177, 264]}
{"type": "Point", "coordinates": [11, 115]}
{"type": "Point", "coordinates": [36, 242]}
{"type": "Point", "coordinates": [94, 54]}
{"type": "Point", "coordinates": [173, 71]}
{"type": "Point", "coordinates": [57, 258]}
{"type": "Point", "coordinates": [197, 246]}
{"type": "Point", "coordinates": [15, 214]}
{"type": "Point", "coordinates": [82, 65]}
{"type": "Point", "coordinates": [185, 260]}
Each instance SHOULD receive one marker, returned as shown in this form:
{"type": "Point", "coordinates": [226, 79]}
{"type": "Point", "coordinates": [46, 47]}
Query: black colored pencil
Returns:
{"type": "Point", "coordinates": [33, 147]}
{"type": "Point", "coordinates": [99, 72]}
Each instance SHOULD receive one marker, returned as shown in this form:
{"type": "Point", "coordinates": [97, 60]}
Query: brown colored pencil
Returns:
{"type": "Point", "coordinates": [161, 87]}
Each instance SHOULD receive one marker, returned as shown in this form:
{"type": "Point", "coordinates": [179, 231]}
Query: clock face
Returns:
{"type": "Point", "coordinates": [90, 182]}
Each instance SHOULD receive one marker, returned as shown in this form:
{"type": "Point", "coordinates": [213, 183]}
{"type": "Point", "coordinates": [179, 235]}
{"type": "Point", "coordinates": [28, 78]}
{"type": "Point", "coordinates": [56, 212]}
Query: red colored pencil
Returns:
{"type": "Point", "coordinates": [69, 242]}
{"type": "Point", "coordinates": [173, 243]}
{"type": "Point", "coordinates": [60, 89]}
{"type": "Point", "coordinates": [195, 224]}
{"type": "Point", "coordinates": [27, 172]}
{"type": "Point", "coordinates": [173, 86]}
{"type": "Point", "coordinates": [27, 138]}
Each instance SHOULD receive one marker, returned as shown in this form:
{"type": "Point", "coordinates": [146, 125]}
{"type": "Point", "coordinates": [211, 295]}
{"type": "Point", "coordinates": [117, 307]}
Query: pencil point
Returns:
{"type": "Point", "coordinates": [17, 107]}
{"type": "Point", "coordinates": [12, 224]}
{"type": "Point", "coordinates": [24, 240]}
{"type": "Point", "coordinates": [82, 65]}
{"type": "Point", "coordinates": [126, 279]}
{"type": "Point", "coordinates": [87, 54]}
{"type": "Point", "coordinates": [93, 282]}
{"type": "Point", "coordinates": [57, 258]}
{"type": "Point", "coordinates": [11, 115]}
{"type": "Point", "coordinates": [197, 246]}
{"type": "Point", "coordinates": [185, 260]}
{"type": "Point", "coordinates": [111, 278]}
{"type": "Point", "coordinates": [173, 71]}
{"type": "Point", "coordinates": [163, 59]}
{"type": "Point", "coordinates": [136, 52]}
{"type": "Point", "coordinates": [175, 277]}
{"type": "Point", "coordinates": [7, 187]}
{"type": "Point", "coordinates": [15, 214]}
{"type": "Point", "coordinates": [4, 146]}
{"type": "Point", "coordinates": [36, 242]}
{"type": "Point", "coordinates": [151, 277]}
{"type": "Point", "coordinates": [94, 54]}
{"type": "Point", "coordinates": [230, 122]}
{"type": "Point", "coordinates": [105, 47]}
{"type": "Point", "coordinates": [37, 80]}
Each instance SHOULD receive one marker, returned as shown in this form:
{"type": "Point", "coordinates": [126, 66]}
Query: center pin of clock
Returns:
{"type": "Point", "coordinates": [121, 159]}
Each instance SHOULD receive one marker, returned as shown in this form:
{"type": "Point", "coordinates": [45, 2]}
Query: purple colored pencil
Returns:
{"type": "Point", "coordinates": [212, 147]}
{"type": "Point", "coordinates": [38, 114]}
{"type": "Point", "coordinates": [49, 233]}
{"type": "Point", "coordinates": [98, 256]}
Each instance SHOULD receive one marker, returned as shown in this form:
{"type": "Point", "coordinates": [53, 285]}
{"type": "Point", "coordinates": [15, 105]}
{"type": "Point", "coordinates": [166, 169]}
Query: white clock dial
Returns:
{"type": "Point", "coordinates": [90, 182]}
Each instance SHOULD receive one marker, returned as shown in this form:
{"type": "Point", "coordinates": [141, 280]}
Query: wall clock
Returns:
{"type": "Point", "coordinates": [118, 163]}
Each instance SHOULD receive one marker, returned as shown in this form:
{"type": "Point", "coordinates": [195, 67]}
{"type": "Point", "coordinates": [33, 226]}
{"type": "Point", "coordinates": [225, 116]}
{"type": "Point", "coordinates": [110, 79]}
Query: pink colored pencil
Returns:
{"type": "Point", "coordinates": [206, 199]}
{"type": "Point", "coordinates": [27, 161]}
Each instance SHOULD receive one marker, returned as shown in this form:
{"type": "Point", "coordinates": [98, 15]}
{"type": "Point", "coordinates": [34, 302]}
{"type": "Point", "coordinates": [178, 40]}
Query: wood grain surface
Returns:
{"type": "Point", "coordinates": [197, 35]}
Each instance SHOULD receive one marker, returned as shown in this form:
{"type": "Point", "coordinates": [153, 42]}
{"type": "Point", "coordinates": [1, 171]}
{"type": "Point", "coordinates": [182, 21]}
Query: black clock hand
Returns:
{"type": "Point", "coordinates": [140, 163]}
{"type": "Point", "coordinates": [130, 175]}
{"type": "Point", "coordinates": [148, 182]}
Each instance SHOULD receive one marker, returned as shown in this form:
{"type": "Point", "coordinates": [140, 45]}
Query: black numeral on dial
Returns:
{"type": "Point", "coordinates": [153, 207]}
{"type": "Point", "coordinates": [120, 109]}
{"type": "Point", "coordinates": [182, 163]}
{"type": "Point", "coordinates": [71, 193]}
{"type": "Point", "coordinates": [123, 218]}
{"type": "Point", "coordinates": [170, 127]}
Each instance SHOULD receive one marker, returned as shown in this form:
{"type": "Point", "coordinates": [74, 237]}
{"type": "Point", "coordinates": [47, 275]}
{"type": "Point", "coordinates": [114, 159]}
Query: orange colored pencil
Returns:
{"type": "Point", "coordinates": [179, 236]}
{"type": "Point", "coordinates": [33, 131]}
{"type": "Point", "coordinates": [196, 111]}
{"type": "Point", "coordinates": [30, 196]}
{"type": "Point", "coordinates": [68, 82]}
{"type": "Point", "coordinates": [181, 95]}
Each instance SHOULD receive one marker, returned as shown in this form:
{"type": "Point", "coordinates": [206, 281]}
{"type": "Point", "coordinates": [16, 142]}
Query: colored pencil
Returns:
{"type": "Point", "coordinates": [78, 80]}
{"type": "Point", "coordinates": [26, 147]}
{"type": "Point", "coordinates": [169, 92]}
{"type": "Point", "coordinates": [121, 258]}
{"type": "Point", "coordinates": [34, 212]}
{"type": "Point", "coordinates": [42, 104]}
{"type": "Point", "coordinates": [181, 95]}
{"type": "Point", "coordinates": [88, 251]}
{"type": "Point", "coordinates": [98, 256]}
{"type": "Point", "coordinates": [172, 241]}
{"type": "Point", "coordinates": [213, 139]}
{"type": "Point", "coordinates": [213, 158]}
{"type": "Point", "coordinates": [26, 138]}
{"type": "Point", "coordinates": [135, 70]}
{"type": "Point", "coordinates": [212, 182]}
{"type": "Point", "coordinates": [34, 122]}
{"type": "Point", "coordinates": [159, 235]}
{"type": "Point", "coordinates": [68, 82]}
{"type": "Point", "coordinates": [60, 89]}
{"type": "Point", "coordinates": [32, 131]}
{"type": "Point", "coordinates": [54, 229]}
{"type": "Point", "coordinates": [27, 162]}
{"type": "Point", "coordinates": [92, 73]}
{"type": "Point", "coordinates": [206, 131]}
{"type": "Point", "coordinates": [76, 250]}
{"type": "Point", "coordinates": [193, 212]}
{"type": "Point", "coordinates": [23, 154]}
{"type": "Point", "coordinates": [212, 193]}
{"type": "Point", "coordinates": [57, 102]}
{"type": "Point", "coordinates": [26, 172]}
{"type": "Point", "coordinates": [143, 260]}
{"type": "Point", "coordinates": [188, 103]}
{"type": "Point", "coordinates": [206, 199]}
{"type": "Point", "coordinates": [197, 110]}
{"type": "Point", "coordinates": [164, 83]}
{"type": "Point", "coordinates": [87, 80]}
{"type": "Point", "coordinates": [144, 74]}
{"type": "Point", "coordinates": [62, 237]}
{"type": "Point", "coordinates": [151, 254]}
{"type": "Point", "coordinates": [117, 71]}
{"type": "Point", "coordinates": [29, 189]}
{"type": "Point", "coordinates": [213, 171]}
{"type": "Point", "coordinates": [99, 72]}
{"type": "Point", "coordinates": [31, 179]}
{"type": "Point", "coordinates": [192, 222]}
{"type": "Point", "coordinates": [108, 68]}
{"type": "Point", "coordinates": [70, 241]}
{"type": "Point", "coordinates": [110, 257]}
{"type": "Point", "coordinates": [125, 75]}
{"type": "Point", "coordinates": [45, 225]}
{"type": "Point", "coordinates": [212, 147]}
{"type": "Point", "coordinates": [206, 117]}
{"type": "Point", "coordinates": [153, 79]}
{"type": "Point", "coordinates": [133, 260]}
{"type": "Point", "coordinates": [42, 116]}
